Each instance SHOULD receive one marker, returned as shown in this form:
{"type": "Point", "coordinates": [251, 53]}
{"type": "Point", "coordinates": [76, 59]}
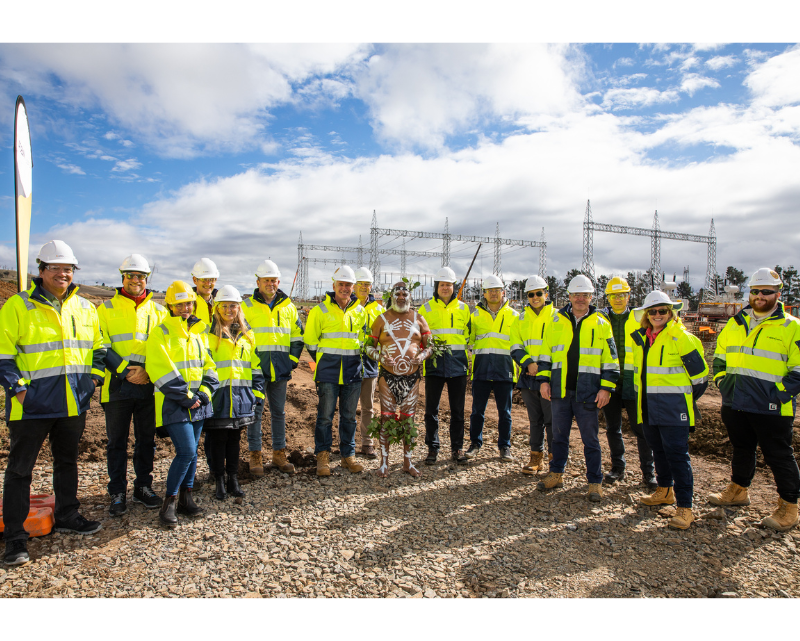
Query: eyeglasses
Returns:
{"type": "Point", "coordinates": [131, 276]}
{"type": "Point", "coordinates": [581, 296]}
{"type": "Point", "coordinates": [59, 269]}
{"type": "Point", "coordinates": [617, 296]}
{"type": "Point", "coordinates": [658, 312]}
{"type": "Point", "coordinates": [229, 306]}
{"type": "Point", "coordinates": [207, 280]}
{"type": "Point", "coordinates": [535, 294]}
{"type": "Point", "coordinates": [763, 292]}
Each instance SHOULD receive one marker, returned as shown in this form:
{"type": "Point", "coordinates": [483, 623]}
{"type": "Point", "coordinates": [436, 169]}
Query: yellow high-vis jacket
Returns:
{"type": "Point", "coordinates": [490, 339]}
{"type": "Point", "coordinates": [239, 371]}
{"type": "Point", "coordinates": [279, 334]}
{"type": "Point", "coordinates": [181, 368]}
{"type": "Point", "coordinates": [673, 375]}
{"type": "Point", "coordinates": [55, 356]}
{"type": "Point", "coordinates": [452, 324]}
{"type": "Point", "coordinates": [527, 334]}
{"type": "Point", "coordinates": [758, 370]}
{"type": "Point", "coordinates": [373, 309]}
{"type": "Point", "coordinates": [201, 308]}
{"type": "Point", "coordinates": [333, 339]}
{"type": "Point", "coordinates": [125, 329]}
{"type": "Point", "coordinates": [625, 384]}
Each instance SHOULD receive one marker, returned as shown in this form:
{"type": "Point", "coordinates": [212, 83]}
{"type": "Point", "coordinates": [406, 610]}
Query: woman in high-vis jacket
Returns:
{"type": "Point", "coordinates": [183, 372]}
{"type": "Point", "coordinates": [670, 374]}
{"type": "Point", "coordinates": [233, 348]}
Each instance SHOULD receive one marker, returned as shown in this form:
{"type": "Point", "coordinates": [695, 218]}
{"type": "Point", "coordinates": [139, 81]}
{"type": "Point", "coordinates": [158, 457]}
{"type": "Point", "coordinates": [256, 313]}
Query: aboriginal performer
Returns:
{"type": "Point", "coordinates": [400, 342]}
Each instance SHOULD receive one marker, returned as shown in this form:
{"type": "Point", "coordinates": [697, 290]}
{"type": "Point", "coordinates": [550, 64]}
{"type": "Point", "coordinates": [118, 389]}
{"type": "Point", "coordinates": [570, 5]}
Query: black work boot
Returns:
{"type": "Point", "coordinates": [186, 504]}
{"type": "Point", "coordinates": [613, 475]}
{"type": "Point", "coordinates": [167, 512]}
{"type": "Point", "coordinates": [220, 493]}
{"type": "Point", "coordinates": [432, 454]}
{"type": "Point", "coordinates": [233, 486]}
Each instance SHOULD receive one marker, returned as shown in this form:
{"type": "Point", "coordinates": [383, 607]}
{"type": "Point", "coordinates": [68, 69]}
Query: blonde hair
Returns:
{"type": "Point", "coordinates": [221, 330]}
{"type": "Point", "coordinates": [646, 324]}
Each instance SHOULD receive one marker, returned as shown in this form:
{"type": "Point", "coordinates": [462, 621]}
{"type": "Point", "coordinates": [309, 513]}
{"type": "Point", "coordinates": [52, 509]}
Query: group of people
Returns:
{"type": "Point", "coordinates": [209, 360]}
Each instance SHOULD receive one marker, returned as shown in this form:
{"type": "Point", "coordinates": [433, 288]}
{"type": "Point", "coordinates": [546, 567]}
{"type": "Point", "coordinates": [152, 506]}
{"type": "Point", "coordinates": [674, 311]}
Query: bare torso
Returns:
{"type": "Point", "coordinates": [400, 337]}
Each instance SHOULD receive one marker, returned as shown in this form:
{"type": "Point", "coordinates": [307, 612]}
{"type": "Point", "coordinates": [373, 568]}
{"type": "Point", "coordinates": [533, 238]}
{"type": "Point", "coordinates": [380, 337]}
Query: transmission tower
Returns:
{"type": "Point", "coordinates": [588, 244]}
{"type": "Point", "coordinates": [360, 253]}
{"type": "Point", "coordinates": [446, 244]}
{"type": "Point", "coordinates": [542, 256]}
{"type": "Point", "coordinates": [710, 288]}
{"type": "Point", "coordinates": [374, 256]}
{"type": "Point", "coordinates": [498, 271]}
{"type": "Point", "coordinates": [403, 260]}
{"type": "Point", "coordinates": [655, 254]}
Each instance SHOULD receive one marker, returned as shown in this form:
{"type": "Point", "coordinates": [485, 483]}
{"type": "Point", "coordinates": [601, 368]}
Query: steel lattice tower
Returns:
{"type": "Point", "coordinates": [498, 271]}
{"type": "Point", "coordinates": [374, 256]}
{"type": "Point", "coordinates": [655, 253]}
{"type": "Point", "coordinates": [710, 287]}
{"type": "Point", "coordinates": [446, 244]}
{"type": "Point", "coordinates": [403, 259]}
{"type": "Point", "coordinates": [360, 253]}
{"type": "Point", "coordinates": [542, 256]}
{"type": "Point", "coordinates": [302, 271]}
{"type": "Point", "coordinates": [588, 244]}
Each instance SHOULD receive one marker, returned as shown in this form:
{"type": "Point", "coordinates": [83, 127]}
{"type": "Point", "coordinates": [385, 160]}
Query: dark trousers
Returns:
{"type": "Point", "coordinates": [585, 415]}
{"type": "Point", "coordinates": [773, 434]}
{"type": "Point", "coordinates": [540, 416]}
{"type": "Point", "coordinates": [118, 423]}
{"type": "Point", "coordinates": [613, 415]}
{"type": "Point", "coordinates": [670, 445]}
{"type": "Point", "coordinates": [480, 399]}
{"type": "Point", "coordinates": [26, 438]}
{"type": "Point", "coordinates": [456, 394]}
{"type": "Point", "coordinates": [224, 443]}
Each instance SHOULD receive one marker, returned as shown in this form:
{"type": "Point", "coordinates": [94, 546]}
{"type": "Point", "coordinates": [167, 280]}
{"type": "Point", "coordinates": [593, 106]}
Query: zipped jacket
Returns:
{"type": "Point", "coordinates": [181, 368]}
{"type": "Point", "coordinates": [332, 338]}
{"type": "Point", "coordinates": [125, 329]}
{"type": "Point", "coordinates": [490, 339]}
{"type": "Point", "coordinates": [598, 365]}
{"type": "Point", "coordinates": [373, 309]}
{"type": "Point", "coordinates": [527, 334]}
{"type": "Point", "coordinates": [55, 356]}
{"type": "Point", "coordinates": [201, 308]}
{"type": "Point", "coordinates": [279, 334]}
{"type": "Point", "coordinates": [625, 383]}
{"type": "Point", "coordinates": [238, 368]}
{"type": "Point", "coordinates": [759, 371]}
{"type": "Point", "coordinates": [450, 323]}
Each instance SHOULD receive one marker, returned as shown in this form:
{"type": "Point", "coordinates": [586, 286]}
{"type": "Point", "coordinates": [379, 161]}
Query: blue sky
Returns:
{"type": "Point", "coordinates": [230, 151]}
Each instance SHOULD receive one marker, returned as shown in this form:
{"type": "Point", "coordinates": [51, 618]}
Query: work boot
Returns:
{"type": "Point", "coordinates": [594, 492]}
{"type": "Point", "coordinates": [118, 505]}
{"type": "Point", "coordinates": [650, 482]}
{"type": "Point", "coordinates": [613, 475]}
{"type": "Point", "coordinates": [279, 461]}
{"type": "Point", "coordinates": [16, 553]}
{"type": "Point", "coordinates": [683, 518]}
{"type": "Point", "coordinates": [733, 495]}
{"type": "Point", "coordinates": [473, 450]}
{"type": "Point", "coordinates": [350, 464]}
{"type": "Point", "coordinates": [368, 451]}
{"type": "Point", "coordinates": [323, 464]}
{"type": "Point", "coordinates": [458, 457]}
{"type": "Point", "coordinates": [553, 479]}
{"type": "Point", "coordinates": [256, 466]}
{"type": "Point", "coordinates": [233, 486]}
{"type": "Point", "coordinates": [186, 504]}
{"type": "Point", "coordinates": [146, 497]}
{"type": "Point", "coordinates": [431, 458]}
{"type": "Point", "coordinates": [662, 496]}
{"type": "Point", "coordinates": [167, 512]}
{"type": "Point", "coordinates": [221, 494]}
{"type": "Point", "coordinates": [535, 464]}
{"type": "Point", "coordinates": [784, 518]}
{"type": "Point", "coordinates": [505, 455]}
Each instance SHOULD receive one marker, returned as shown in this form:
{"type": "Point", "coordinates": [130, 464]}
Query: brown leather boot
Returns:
{"type": "Point", "coordinates": [323, 464]}
{"type": "Point", "coordinates": [683, 518]}
{"type": "Point", "coordinates": [784, 518]}
{"type": "Point", "coordinates": [662, 496]}
{"type": "Point", "coordinates": [535, 464]}
{"type": "Point", "coordinates": [733, 495]}
{"type": "Point", "coordinates": [256, 466]}
{"type": "Point", "coordinates": [186, 504]}
{"type": "Point", "coordinates": [350, 464]}
{"type": "Point", "coordinates": [279, 461]}
{"type": "Point", "coordinates": [553, 479]}
{"type": "Point", "coordinates": [167, 512]}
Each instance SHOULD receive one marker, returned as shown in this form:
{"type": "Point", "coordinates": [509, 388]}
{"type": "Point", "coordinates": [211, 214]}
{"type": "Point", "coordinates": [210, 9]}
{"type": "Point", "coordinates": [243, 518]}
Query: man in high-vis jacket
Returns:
{"type": "Point", "coordinates": [579, 369]}
{"type": "Point", "coordinates": [279, 342]}
{"type": "Point", "coordinates": [449, 319]}
{"type": "Point", "coordinates": [333, 336]}
{"type": "Point", "coordinates": [51, 361]}
{"type": "Point", "coordinates": [126, 321]}
{"type": "Point", "coordinates": [757, 370]}
{"type": "Point", "coordinates": [204, 276]}
{"type": "Point", "coordinates": [493, 369]}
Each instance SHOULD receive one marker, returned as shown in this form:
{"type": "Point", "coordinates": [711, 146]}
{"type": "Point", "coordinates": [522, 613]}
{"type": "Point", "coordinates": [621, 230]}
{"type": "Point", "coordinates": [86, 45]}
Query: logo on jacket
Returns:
{"type": "Point", "coordinates": [773, 406]}
{"type": "Point", "coordinates": [684, 417]}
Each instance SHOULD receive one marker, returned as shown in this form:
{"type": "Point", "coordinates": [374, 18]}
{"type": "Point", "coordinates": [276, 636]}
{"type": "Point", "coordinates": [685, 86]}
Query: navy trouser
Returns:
{"type": "Point", "coordinates": [670, 445]}
{"type": "Point", "coordinates": [118, 425]}
{"type": "Point", "coordinates": [185, 437]}
{"type": "Point", "coordinates": [585, 414]}
{"type": "Point", "coordinates": [456, 394]}
{"type": "Point", "coordinates": [480, 399]}
{"type": "Point", "coordinates": [347, 396]}
{"type": "Point", "coordinates": [540, 416]}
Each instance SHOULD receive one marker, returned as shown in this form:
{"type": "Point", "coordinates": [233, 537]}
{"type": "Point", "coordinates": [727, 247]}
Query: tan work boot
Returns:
{"type": "Point", "coordinates": [534, 464]}
{"type": "Point", "coordinates": [683, 518]}
{"type": "Point", "coordinates": [594, 492]}
{"type": "Point", "coordinates": [662, 496]}
{"type": "Point", "coordinates": [553, 479]}
{"type": "Point", "coordinates": [256, 466]}
{"type": "Point", "coordinates": [784, 518]}
{"type": "Point", "coordinates": [323, 464]}
{"type": "Point", "coordinates": [279, 461]}
{"type": "Point", "coordinates": [349, 463]}
{"type": "Point", "coordinates": [733, 495]}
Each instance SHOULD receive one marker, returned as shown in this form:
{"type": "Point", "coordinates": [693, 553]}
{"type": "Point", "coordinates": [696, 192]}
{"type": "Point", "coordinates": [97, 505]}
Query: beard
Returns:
{"type": "Point", "coordinates": [400, 308]}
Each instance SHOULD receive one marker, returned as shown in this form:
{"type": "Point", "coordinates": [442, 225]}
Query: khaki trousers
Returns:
{"type": "Point", "coordinates": [367, 402]}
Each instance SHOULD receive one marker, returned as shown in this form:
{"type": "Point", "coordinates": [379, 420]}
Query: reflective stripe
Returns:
{"type": "Point", "coordinates": [764, 376]}
{"type": "Point", "coordinates": [7, 357]}
{"type": "Point", "coordinates": [28, 303]}
{"type": "Point", "coordinates": [457, 348]}
{"type": "Point", "coordinates": [296, 339]}
{"type": "Point", "coordinates": [722, 357]}
{"type": "Point", "coordinates": [166, 379]}
{"type": "Point", "coordinates": [188, 364]}
{"type": "Point", "coordinates": [56, 371]}
{"type": "Point", "coordinates": [324, 308]}
{"type": "Point", "coordinates": [666, 389]}
{"type": "Point", "coordinates": [194, 385]}
{"type": "Point", "coordinates": [248, 302]}
{"type": "Point", "coordinates": [427, 307]}
{"type": "Point", "coordinates": [545, 358]}
{"type": "Point", "coordinates": [272, 348]}
{"type": "Point", "coordinates": [628, 348]}
{"type": "Point", "coordinates": [108, 305]}
{"type": "Point", "coordinates": [557, 365]}
{"type": "Point", "coordinates": [449, 330]}
{"type": "Point", "coordinates": [592, 351]}
{"type": "Point", "coordinates": [324, 335]}
{"type": "Point", "coordinates": [504, 337]}
{"type": "Point", "coordinates": [272, 330]}
{"type": "Point", "coordinates": [533, 341]}
{"type": "Point", "coordinates": [628, 365]}
{"type": "Point", "coordinates": [665, 370]}
{"type": "Point", "coordinates": [700, 381]}
{"type": "Point", "coordinates": [75, 344]}
{"type": "Point", "coordinates": [610, 366]}
{"type": "Point", "coordinates": [588, 369]}
{"type": "Point", "coordinates": [763, 353]}
{"type": "Point", "coordinates": [118, 338]}
{"type": "Point", "coordinates": [558, 348]}
{"type": "Point", "coordinates": [517, 346]}
{"type": "Point", "coordinates": [107, 345]}
{"type": "Point", "coordinates": [35, 348]}
{"type": "Point", "coordinates": [234, 363]}
{"type": "Point", "coordinates": [492, 350]}
{"type": "Point", "coordinates": [164, 329]}
{"type": "Point", "coordinates": [337, 351]}
{"type": "Point", "coordinates": [137, 359]}
{"type": "Point", "coordinates": [236, 382]}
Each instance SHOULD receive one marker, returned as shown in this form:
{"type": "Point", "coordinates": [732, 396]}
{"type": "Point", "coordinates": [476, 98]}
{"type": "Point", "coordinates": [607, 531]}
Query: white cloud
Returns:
{"type": "Point", "coordinates": [71, 169]}
{"type": "Point", "coordinates": [720, 62]}
{"type": "Point", "coordinates": [126, 165]}
{"type": "Point", "coordinates": [693, 82]}
{"type": "Point", "coordinates": [623, 62]}
{"type": "Point", "coordinates": [634, 98]}
{"type": "Point", "coordinates": [690, 62]}
{"type": "Point", "coordinates": [774, 83]}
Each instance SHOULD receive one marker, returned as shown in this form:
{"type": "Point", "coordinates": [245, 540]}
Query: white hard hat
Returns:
{"type": "Point", "coordinates": [344, 274]}
{"type": "Point", "coordinates": [653, 299]}
{"type": "Point", "coordinates": [534, 283]}
{"type": "Point", "coordinates": [765, 276]}
{"type": "Point", "coordinates": [229, 294]}
{"type": "Point", "coordinates": [135, 263]}
{"type": "Point", "coordinates": [445, 275]}
{"type": "Point", "coordinates": [492, 281]}
{"type": "Point", "coordinates": [267, 269]}
{"type": "Point", "coordinates": [363, 275]}
{"type": "Point", "coordinates": [580, 285]}
{"type": "Point", "coordinates": [56, 251]}
{"type": "Point", "coordinates": [205, 268]}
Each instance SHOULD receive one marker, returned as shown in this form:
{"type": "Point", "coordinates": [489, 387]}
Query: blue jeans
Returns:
{"type": "Point", "coordinates": [670, 444]}
{"type": "Point", "coordinates": [276, 397]}
{"type": "Point", "coordinates": [585, 414]}
{"type": "Point", "coordinates": [329, 394]}
{"type": "Point", "coordinates": [480, 399]}
{"type": "Point", "coordinates": [185, 437]}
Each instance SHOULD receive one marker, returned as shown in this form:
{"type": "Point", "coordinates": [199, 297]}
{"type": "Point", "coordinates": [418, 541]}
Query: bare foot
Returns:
{"type": "Point", "coordinates": [383, 471]}
{"type": "Point", "coordinates": [409, 468]}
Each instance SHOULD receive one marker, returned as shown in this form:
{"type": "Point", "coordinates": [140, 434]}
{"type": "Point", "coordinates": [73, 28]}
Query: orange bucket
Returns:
{"type": "Point", "coordinates": [40, 519]}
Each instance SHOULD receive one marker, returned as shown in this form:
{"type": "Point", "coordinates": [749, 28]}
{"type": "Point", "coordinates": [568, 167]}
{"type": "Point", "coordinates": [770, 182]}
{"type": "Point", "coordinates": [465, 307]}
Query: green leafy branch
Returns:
{"type": "Point", "coordinates": [387, 295]}
{"type": "Point", "coordinates": [402, 431]}
{"type": "Point", "coordinates": [438, 347]}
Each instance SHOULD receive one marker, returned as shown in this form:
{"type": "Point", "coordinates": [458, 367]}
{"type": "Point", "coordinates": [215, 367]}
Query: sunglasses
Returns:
{"type": "Point", "coordinates": [131, 276]}
{"type": "Point", "coordinates": [535, 294]}
{"type": "Point", "coordinates": [658, 312]}
{"type": "Point", "coordinates": [617, 296]}
{"type": "Point", "coordinates": [763, 292]}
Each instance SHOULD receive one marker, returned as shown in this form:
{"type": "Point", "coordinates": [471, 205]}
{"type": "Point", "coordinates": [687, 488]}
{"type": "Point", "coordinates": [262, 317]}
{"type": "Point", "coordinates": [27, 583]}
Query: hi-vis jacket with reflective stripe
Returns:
{"type": "Point", "coordinates": [179, 364]}
{"type": "Point", "coordinates": [452, 324]}
{"type": "Point", "coordinates": [631, 325]}
{"type": "Point", "coordinates": [333, 340]}
{"type": "Point", "coordinates": [279, 334]}
{"type": "Point", "coordinates": [674, 375]}
{"type": "Point", "coordinates": [239, 372]}
{"type": "Point", "coordinates": [125, 329]}
{"type": "Point", "coordinates": [598, 366]}
{"type": "Point", "coordinates": [490, 339]}
{"type": "Point", "coordinates": [527, 334]}
{"type": "Point", "coordinates": [373, 309]}
{"type": "Point", "coordinates": [759, 371]}
{"type": "Point", "coordinates": [201, 308]}
{"type": "Point", "coordinates": [54, 356]}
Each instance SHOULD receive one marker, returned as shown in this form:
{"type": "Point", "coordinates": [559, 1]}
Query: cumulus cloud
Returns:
{"type": "Point", "coordinates": [634, 98]}
{"type": "Point", "coordinates": [693, 82]}
{"type": "Point", "coordinates": [721, 62]}
{"type": "Point", "coordinates": [126, 165]}
{"type": "Point", "coordinates": [71, 169]}
{"type": "Point", "coordinates": [774, 82]}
